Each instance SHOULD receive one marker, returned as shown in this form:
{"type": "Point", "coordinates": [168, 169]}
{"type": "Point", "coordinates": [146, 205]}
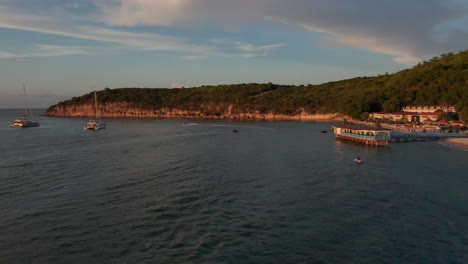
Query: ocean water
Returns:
{"type": "Point", "coordinates": [158, 191]}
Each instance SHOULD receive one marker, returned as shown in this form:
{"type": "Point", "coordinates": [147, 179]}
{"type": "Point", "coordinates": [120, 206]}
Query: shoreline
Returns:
{"type": "Point", "coordinates": [244, 119]}
{"type": "Point", "coordinates": [322, 118]}
{"type": "Point", "coordinates": [325, 118]}
{"type": "Point", "coordinates": [459, 142]}
{"type": "Point", "coordinates": [220, 112]}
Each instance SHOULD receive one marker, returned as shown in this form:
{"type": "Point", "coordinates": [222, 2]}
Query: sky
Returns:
{"type": "Point", "coordinates": [65, 48]}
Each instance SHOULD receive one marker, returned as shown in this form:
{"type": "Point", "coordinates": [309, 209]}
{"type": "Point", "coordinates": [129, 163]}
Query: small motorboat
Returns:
{"type": "Point", "coordinates": [235, 131]}
{"type": "Point", "coordinates": [358, 160]}
{"type": "Point", "coordinates": [95, 124]}
{"type": "Point", "coordinates": [324, 131]}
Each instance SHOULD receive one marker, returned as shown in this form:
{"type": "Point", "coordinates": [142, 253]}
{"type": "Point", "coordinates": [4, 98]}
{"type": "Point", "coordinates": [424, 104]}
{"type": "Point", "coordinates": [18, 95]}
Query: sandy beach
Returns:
{"type": "Point", "coordinates": [460, 142]}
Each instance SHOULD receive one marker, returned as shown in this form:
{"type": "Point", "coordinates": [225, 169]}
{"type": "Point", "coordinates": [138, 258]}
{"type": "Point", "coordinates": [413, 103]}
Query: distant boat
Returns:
{"type": "Point", "coordinates": [24, 121]}
{"type": "Point", "coordinates": [358, 160]}
{"type": "Point", "coordinates": [190, 124]}
{"type": "Point", "coordinates": [95, 124]}
{"type": "Point", "coordinates": [323, 131]}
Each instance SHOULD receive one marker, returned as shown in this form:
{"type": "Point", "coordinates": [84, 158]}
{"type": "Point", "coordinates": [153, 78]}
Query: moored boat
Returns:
{"type": "Point", "coordinates": [24, 121]}
{"type": "Point", "coordinates": [97, 123]}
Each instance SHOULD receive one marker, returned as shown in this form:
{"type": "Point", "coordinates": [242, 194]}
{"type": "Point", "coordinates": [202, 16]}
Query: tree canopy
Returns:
{"type": "Point", "coordinates": [441, 81]}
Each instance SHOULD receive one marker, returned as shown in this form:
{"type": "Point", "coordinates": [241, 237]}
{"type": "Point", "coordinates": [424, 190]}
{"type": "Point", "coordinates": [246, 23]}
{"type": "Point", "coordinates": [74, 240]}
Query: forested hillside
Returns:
{"type": "Point", "coordinates": [442, 80]}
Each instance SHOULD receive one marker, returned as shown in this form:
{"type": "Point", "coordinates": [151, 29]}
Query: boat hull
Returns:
{"type": "Point", "coordinates": [94, 126]}
{"type": "Point", "coordinates": [25, 124]}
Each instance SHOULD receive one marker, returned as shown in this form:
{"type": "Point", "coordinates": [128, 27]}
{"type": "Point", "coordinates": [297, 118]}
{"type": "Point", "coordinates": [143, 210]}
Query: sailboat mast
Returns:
{"type": "Point", "coordinates": [95, 104]}
{"type": "Point", "coordinates": [27, 107]}
{"type": "Point", "coordinates": [25, 101]}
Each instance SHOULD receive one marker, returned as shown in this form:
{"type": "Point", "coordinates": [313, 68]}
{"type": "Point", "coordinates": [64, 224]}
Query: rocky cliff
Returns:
{"type": "Point", "coordinates": [126, 110]}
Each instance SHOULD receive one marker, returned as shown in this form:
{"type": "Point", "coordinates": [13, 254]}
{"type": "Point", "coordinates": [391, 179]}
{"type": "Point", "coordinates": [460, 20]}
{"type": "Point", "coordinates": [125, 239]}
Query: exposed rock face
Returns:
{"type": "Point", "coordinates": [125, 110]}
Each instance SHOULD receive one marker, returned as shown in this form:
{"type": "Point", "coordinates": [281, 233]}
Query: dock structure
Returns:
{"type": "Point", "coordinates": [366, 134]}
{"type": "Point", "coordinates": [411, 137]}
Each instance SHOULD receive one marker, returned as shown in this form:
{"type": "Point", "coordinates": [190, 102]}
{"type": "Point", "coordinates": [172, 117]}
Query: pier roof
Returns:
{"type": "Point", "coordinates": [353, 126]}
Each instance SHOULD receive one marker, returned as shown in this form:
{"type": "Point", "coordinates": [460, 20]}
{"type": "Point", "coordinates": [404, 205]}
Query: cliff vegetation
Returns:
{"type": "Point", "coordinates": [440, 81]}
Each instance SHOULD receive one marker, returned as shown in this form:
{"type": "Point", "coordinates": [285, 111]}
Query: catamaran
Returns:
{"type": "Point", "coordinates": [23, 121]}
{"type": "Point", "coordinates": [96, 123]}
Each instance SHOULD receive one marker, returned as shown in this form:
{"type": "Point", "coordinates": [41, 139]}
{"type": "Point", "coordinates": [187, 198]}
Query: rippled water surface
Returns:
{"type": "Point", "coordinates": [158, 191]}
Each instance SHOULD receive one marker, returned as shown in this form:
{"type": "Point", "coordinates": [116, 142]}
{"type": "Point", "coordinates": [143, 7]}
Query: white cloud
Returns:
{"type": "Point", "coordinates": [193, 57]}
{"type": "Point", "coordinates": [17, 19]}
{"type": "Point", "coordinates": [176, 12]}
{"type": "Point", "coordinates": [401, 28]}
{"type": "Point", "coordinates": [6, 55]}
{"type": "Point", "coordinates": [242, 49]}
{"type": "Point", "coordinates": [251, 48]}
{"type": "Point", "coordinates": [177, 85]}
{"type": "Point", "coordinates": [408, 30]}
{"type": "Point", "coordinates": [145, 41]}
{"type": "Point", "coordinates": [408, 60]}
{"type": "Point", "coordinates": [41, 50]}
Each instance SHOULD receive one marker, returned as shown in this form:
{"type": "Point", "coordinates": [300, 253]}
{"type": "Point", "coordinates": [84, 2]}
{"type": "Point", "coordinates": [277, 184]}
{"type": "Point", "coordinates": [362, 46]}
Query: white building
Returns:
{"type": "Point", "coordinates": [428, 108]}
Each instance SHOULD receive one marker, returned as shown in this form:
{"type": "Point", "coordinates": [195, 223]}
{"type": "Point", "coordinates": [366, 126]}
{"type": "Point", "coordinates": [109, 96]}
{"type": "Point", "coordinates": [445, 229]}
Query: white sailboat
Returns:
{"type": "Point", "coordinates": [96, 123]}
{"type": "Point", "coordinates": [24, 120]}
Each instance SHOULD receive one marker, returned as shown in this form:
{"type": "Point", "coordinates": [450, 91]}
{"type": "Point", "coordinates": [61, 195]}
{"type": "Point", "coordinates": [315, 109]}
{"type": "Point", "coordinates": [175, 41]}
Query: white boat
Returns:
{"type": "Point", "coordinates": [24, 121]}
{"type": "Point", "coordinates": [95, 124]}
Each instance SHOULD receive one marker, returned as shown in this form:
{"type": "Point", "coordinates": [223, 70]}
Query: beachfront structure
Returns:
{"type": "Point", "coordinates": [457, 123]}
{"type": "Point", "coordinates": [405, 116]}
{"type": "Point", "coordinates": [416, 114]}
{"type": "Point", "coordinates": [366, 134]}
{"type": "Point", "coordinates": [428, 108]}
{"type": "Point", "coordinates": [443, 123]}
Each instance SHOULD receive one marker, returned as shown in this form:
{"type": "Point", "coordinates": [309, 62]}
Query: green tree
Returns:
{"type": "Point", "coordinates": [441, 114]}
{"type": "Point", "coordinates": [365, 116]}
{"type": "Point", "coordinates": [464, 115]}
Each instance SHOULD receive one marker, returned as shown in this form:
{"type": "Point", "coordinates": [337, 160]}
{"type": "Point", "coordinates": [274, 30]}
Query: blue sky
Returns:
{"type": "Point", "coordinates": [64, 48]}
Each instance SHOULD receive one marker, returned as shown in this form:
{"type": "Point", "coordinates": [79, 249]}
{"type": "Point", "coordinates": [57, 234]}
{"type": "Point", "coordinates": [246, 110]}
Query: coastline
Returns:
{"type": "Point", "coordinates": [235, 118]}
{"type": "Point", "coordinates": [125, 110]}
{"type": "Point", "coordinates": [459, 142]}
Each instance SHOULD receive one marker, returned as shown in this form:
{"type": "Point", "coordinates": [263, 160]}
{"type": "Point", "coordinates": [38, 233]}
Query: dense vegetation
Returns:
{"type": "Point", "coordinates": [440, 81]}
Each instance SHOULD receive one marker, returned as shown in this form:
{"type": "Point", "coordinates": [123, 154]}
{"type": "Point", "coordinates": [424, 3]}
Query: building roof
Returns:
{"type": "Point", "coordinates": [415, 113]}
{"type": "Point", "coordinates": [428, 106]}
{"type": "Point", "coordinates": [406, 113]}
{"type": "Point", "coordinates": [442, 121]}
{"type": "Point", "coordinates": [432, 114]}
{"type": "Point", "coordinates": [428, 120]}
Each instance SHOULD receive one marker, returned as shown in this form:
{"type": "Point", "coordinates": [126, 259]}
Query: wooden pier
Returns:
{"type": "Point", "coordinates": [368, 140]}
{"type": "Point", "coordinates": [413, 137]}
{"type": "Point", "coordinates": [365, 134]}
{"type": "Point", "coordinates": [378, 136]}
